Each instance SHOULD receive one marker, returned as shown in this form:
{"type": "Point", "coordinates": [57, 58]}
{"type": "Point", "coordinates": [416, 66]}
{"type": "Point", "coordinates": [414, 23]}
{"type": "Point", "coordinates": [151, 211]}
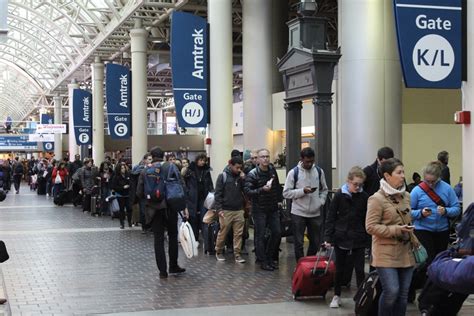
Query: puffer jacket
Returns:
{"type": "Point", "coordinates": [306, 205]}
{"type": "Point", "coordinates": [391, 247]}
{"type": "Point", "coordinates": [345, 223]}
{"type": "Point", "coordinates": [262, 200]}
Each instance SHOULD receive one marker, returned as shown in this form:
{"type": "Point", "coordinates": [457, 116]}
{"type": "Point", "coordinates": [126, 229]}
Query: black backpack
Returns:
{"type": "Point", "coordinates": [368, 295]}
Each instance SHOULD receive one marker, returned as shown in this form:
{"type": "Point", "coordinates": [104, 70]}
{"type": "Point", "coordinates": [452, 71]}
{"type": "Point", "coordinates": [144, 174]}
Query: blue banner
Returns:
{"type": "Point", "coordinates": [189, 64]}
{"type": "Point", "coordinates": [17, 143]}
{"type": "Point", "coordinates": [47, 119]}
{"type": "Point", "coordinates": [82, 116]}
{"type": "Point", "coordinates": [429, 41]}
{"type": "Point", "coordinates": [118, 83]}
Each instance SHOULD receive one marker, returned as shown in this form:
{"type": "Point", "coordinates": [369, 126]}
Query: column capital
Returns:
{"type": "Point", "coordinates": [138, 40]}
{"type": "Point", "coordinates": [292, 106]}
{"type": "Point", "coordinates": [323, 99]}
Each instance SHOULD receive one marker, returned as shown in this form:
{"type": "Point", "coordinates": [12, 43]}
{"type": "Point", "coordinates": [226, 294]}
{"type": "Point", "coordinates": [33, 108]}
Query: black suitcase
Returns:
{"type": "Point", "coordinates": [60, 198]}
{"type": "Point", "coordinates": [435, 301]}
{"type": "Point", "coordinates": [41, 186]}
{"type": "Point", "coordinates": [212, 237]}
{"type": "Point", "coordinates": [95, 205]}
{"type": "Point", "coordinates": [368, 295]}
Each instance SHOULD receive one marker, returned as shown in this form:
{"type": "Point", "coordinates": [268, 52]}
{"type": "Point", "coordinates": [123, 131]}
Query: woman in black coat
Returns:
{"type": "Point", "coordinates": [198, 184]}
{"type": "Point", "coordinates": [121, 186]}
{"type": "Point", "coordinates": [345, 229]}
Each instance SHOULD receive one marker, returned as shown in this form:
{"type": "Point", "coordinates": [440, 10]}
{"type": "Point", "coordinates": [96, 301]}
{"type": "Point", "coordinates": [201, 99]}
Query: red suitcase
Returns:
{"type": "Point", "coordinates": [313, 276]}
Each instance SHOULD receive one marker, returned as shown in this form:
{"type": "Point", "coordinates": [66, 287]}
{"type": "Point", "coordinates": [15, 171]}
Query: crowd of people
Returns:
{"type": "Point", "coordinates": [372, 210]}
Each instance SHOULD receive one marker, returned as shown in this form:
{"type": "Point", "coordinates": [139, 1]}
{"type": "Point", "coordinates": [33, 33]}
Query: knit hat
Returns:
{"type": "Point", "coordinates": [247, 154]}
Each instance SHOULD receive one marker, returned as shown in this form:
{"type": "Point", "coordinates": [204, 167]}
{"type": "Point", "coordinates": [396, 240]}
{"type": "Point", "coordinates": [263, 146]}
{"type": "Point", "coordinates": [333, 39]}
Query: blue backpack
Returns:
{"type": "Point", "coordinates": [154, 183]}
{"type": "Point", "coordinates": [465, 232]}
{"type": "Point", "coordinates": [175, 198]}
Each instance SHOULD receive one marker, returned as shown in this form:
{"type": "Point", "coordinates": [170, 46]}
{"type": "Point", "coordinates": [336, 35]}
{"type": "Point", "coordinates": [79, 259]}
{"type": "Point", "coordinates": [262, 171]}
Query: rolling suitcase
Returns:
{"type": "Point", "coordinates": [435, 301]}
{"type": "Point", "coordinates": [313, 275]}
{"type": "Point", "coordinates": [368, 295]}
{"type": "Point", "coordinates": [212, 237]}
{"type": "Point", "coordinates": [95, 205]}
{"type": "Point", "coordinates": [41, 190]}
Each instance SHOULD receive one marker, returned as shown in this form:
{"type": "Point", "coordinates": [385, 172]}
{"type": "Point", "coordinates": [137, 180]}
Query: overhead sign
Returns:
{"type": "Point", "coordinates": [82, 115]}
{"type": "Point", "coordinates": [46, 139]}
{"type": "Point", "coordinates": [46, 119]}
{"type": "Point", "coordinates": [50, 128]}
{"type": "Point", "coordinates": [41, 137]}
{"type": "Point", "coordinates": [118, 94]}
{"type": "Point", "coordinates": [189, 58]}
{"type": "Point", "coordinates": [17, 143]}
{"type": "Point", "coordinates": [429, 41]}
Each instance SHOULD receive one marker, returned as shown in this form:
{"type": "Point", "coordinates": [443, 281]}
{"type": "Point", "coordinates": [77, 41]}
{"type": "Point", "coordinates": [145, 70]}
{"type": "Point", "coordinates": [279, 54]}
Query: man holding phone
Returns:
{"type": "Point", "coordinates": [308, 191]}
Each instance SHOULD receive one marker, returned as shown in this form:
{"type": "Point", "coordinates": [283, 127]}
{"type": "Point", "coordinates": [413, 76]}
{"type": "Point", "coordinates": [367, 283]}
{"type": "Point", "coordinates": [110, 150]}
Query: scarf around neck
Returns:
{"type": "Point", "coordinates": [388, 189]}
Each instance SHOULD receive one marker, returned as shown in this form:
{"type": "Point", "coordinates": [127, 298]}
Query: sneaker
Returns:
{"type": "Point", "coordinates": [239, 259]}
{"type": "Point", "coordinates": [336, 301]}
{"type": "Point", "coordinates": [177, 269]}
{"type": "Point", "coordinates": [220, 257]}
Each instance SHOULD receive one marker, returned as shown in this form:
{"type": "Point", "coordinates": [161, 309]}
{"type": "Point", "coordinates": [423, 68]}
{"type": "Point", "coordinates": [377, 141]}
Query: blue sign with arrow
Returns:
{"type": "Point", "coordinates": [189, 61]}
{"type": "Point", "coordinates": [429, 40]}
{"type": "Point", "coordinates": [82, 116]}
{"type": "Point", "coordinates": [118, 93]}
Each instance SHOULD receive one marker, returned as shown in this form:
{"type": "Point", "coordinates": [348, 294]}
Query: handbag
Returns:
{"type": "Point", "coordinates": [58, 179]}
{"type": "Point", "coordinates": [188, 242]}
{"type": "Point", "coordinates": [175, 198]}
{"type": "Point", "coordinates": [209, 201]}
{"type": "Point", "coordinates": [3, 252]}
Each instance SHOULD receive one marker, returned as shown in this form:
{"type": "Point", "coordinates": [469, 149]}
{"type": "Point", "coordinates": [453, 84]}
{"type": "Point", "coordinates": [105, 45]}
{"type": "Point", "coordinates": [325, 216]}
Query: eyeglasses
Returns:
{"type": "Point", "coordinates": [357, 184]}
{"type": "Point", "coordinates": [264, 157]}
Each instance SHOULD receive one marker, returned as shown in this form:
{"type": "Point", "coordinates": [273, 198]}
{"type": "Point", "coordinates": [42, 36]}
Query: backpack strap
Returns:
{"type": "Point", "coordinates": [432, 194]}
{"type": "Point", "coordinates": [296, 172]}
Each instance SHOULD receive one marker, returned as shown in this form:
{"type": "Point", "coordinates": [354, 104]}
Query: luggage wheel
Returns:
{"type": "Point", "coordinates": [296, 295]}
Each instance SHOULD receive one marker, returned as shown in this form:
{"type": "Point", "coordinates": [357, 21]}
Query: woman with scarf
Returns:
{"type": "Point", "coordinates": [345, 229]}
{"type": "Point", "coordinates": [389, 222]}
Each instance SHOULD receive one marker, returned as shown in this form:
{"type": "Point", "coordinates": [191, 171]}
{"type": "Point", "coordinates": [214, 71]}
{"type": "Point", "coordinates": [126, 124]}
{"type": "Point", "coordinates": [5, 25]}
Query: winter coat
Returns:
{"type": "Point", "coordinates": [191, 179]}
{"type": "Point", "coordinates": [434, 222]}
{"type": "Point", "coordinates": [119, 182]}
{"type": "Point", "coordinates": [88, 178]}
{"type": "Point", "coordinates": [263, 201]}
{"type": "Point", "coordinates": [390, 247]}
{"type": "Point", "coordinates": [452, 273]}
{"type": "Point", "coordinates": [372, 180]}
{"type": "Point", "coordinates": [62, 173]}
{"type": "Point", "coordinates": [345, 222]}
{"type": "Point", "coordinates": [306, 205]}
{"type": "Point", "coordinates": [229, 195]}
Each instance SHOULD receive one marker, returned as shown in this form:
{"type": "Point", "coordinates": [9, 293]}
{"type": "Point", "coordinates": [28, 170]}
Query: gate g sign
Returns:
{"type": "Point", "coordinates": [82, 114]}
{"type": "Point", "coordinates": [118, 92]}
{"type": "Point", "coordinates": [429, 42]}
{"type": "Point", "coordinates": [189, 64]}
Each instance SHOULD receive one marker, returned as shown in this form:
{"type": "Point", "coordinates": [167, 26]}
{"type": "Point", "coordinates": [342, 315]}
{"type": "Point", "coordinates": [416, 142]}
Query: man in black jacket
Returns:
{"type": "Point", "coordinates": [229, 204]}
{"type": "Point", "coordinates": [263, 188]}
{"type": "Point", "coordinates": [372, 182]}
{"type": "Point", "coordinates": [161, 218]}
{"type": "Point", "coordinates": [443, 157]}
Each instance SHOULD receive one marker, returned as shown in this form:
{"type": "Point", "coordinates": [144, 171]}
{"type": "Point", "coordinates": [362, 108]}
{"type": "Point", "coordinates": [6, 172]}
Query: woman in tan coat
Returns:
{"type": "Point", "coordinates": [389, 222]}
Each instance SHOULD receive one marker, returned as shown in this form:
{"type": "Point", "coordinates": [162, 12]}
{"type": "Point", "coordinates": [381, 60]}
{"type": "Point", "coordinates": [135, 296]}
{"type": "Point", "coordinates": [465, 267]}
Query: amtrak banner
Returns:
{"type": "Point", "coordinates": [47, 119]}
{"type": "Point", "coordinates": [189, 64]}
{"type": "Point", "coordinates": [82, 116]}
{"type": "Point", "coordinates": [118, 95]}
{"type": "Point", "coordinates": [429, 41]}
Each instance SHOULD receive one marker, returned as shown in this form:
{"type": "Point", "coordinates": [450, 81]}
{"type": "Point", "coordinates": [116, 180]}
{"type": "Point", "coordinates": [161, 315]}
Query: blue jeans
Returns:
{"type": "Point", "coordinates": [266, 251]}
{"type": "Point", "coordinates": [395, 285]}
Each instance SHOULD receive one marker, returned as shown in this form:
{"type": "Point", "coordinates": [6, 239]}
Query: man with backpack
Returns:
{"type": "Point", "coordinates": [151, 186]}
{"type": "Point", "coordinates": [306, 186]}
{"type": "Point", "coordinates": [229, 205]}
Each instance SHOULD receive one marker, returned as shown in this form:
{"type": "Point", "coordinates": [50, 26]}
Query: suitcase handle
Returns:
{"type": "Point", "coordinates": [318, 257]}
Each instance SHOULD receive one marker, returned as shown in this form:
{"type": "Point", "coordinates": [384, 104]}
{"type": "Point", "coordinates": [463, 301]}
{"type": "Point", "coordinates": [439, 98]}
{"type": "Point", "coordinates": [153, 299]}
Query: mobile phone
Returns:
{"type": "Point", "coordinates": [428, 210]}
{"type": "Point", "coordinates": [410, 226]}
{"type": "Point", "coordinates": [313, 189]}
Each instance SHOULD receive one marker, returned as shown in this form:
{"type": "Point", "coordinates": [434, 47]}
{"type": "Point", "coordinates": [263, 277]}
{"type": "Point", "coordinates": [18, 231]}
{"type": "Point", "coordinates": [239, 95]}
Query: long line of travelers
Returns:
{"type": "Point", "coordinates": [372, 209]}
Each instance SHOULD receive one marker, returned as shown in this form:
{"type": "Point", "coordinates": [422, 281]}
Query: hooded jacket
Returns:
{"type": "Point", "coordinates": [192, 178]}
{"type": "Point", "coordinates": [306, 205]}
{"type": "Point", "coordinates": [229, 195]}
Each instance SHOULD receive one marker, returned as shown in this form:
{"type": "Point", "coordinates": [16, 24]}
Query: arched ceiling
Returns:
{"type": "Point", "coordinates": [51, 42]}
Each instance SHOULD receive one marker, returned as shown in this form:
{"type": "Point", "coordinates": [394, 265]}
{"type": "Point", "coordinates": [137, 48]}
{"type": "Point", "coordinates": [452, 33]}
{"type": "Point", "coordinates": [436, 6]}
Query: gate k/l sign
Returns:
{"type": "Point", "coordinates": [429, 42]}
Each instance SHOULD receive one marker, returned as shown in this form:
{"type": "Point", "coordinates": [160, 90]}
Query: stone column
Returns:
{"type": "Point", "coordinates": [58, 119]}
{"type": "Point", "coordinates": [468, 105]}
{"type": "Point", "coordinates": [293, 133]}
{"type": "Point", "coordinates": [73, 148]}
{"type": "Point", "coordinates": [138, 37]}
{"type": "Point", "coordinates": [257, 73]}
{"type": "Point", "coordinates": [323, 136]}
{"type": "Point", "coordinates": [220, 59]}
{"type": "Point", "coordinates": [369, 87]}
{"type": "Point", "coordinates": [98, 111]}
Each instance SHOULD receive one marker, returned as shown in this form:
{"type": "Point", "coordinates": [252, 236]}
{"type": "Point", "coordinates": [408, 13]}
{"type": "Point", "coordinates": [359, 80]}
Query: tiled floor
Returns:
{"type": "Point", "coordinates": [64, 262]}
